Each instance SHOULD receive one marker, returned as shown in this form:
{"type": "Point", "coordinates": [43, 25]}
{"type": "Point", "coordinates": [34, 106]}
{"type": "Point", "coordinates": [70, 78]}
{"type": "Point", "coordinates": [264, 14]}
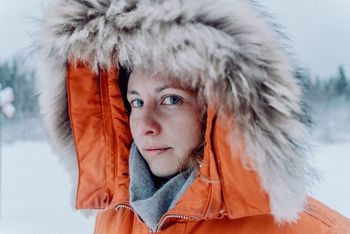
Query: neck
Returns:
{"type": "Point", "coordinates": [160, 181]}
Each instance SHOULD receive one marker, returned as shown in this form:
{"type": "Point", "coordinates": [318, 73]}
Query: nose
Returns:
{"type": "Point", "coordinates": [148, 125]}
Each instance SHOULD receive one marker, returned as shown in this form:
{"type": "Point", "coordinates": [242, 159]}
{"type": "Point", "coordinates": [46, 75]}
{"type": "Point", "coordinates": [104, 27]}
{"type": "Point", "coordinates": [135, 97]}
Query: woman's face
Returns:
{"type": "Point", "coordinates": [164, 121]}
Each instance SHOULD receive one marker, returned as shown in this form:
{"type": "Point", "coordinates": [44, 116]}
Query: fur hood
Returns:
{"type": "Point", "coordinates": [227, 47]}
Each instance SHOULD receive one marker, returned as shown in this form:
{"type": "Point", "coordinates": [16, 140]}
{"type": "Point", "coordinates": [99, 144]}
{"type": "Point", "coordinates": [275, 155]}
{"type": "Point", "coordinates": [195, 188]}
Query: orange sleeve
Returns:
{"type": "Point", "coordinates": [101, 133]}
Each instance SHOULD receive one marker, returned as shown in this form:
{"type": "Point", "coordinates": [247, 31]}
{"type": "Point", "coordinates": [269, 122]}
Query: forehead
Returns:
{"type": "Point", "coordinates": [149, 79]}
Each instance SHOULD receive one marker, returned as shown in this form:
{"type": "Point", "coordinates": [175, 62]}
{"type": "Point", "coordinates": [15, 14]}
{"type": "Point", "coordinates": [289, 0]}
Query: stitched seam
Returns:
{"type": "Point", "coordinates": [318, 217]}
{"type": "Point", "coordinates": [104, 126]}
{"type": "Point", "coordinates": [332, 230]}
{"type": "Point", "coordinates": [72, 129]}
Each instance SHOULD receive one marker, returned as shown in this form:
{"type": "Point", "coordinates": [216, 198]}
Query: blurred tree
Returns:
{"type": "Point", "coordinates": [21, 79]}
{"type": "Point", "coordinates": [26, 124]}
{"type": "Point", "coordinates": [5, 75]}
{"type": "Point", "coordinates": [341, 81]}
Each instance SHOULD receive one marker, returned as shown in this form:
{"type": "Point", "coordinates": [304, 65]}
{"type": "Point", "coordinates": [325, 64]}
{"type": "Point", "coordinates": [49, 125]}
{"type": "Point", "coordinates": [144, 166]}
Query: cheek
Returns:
{"type": "Point", "coordinates": [188, 131]}
{"type": "Point", "coordinates": [133, 126]}
{"type": "Point", "coordinates": [196, 133]}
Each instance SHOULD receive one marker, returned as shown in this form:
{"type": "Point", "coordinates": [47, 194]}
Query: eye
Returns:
{"type": "Point", "coordinates": [171, 100]}
{"type": "Point", "coordinates": [136, 103]}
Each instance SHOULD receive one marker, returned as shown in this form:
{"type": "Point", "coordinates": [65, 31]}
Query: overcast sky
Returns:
{"type": "Point", "coordinates": [318, 30]}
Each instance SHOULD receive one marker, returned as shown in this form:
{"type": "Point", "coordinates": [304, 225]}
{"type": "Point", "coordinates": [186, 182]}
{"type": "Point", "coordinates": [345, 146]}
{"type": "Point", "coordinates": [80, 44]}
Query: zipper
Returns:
{"type": "Point", "coordinates": [174, 216]}
{"type": "Point", "coordinates": [137, 215]}
{"type": "Point", "coordinates": [159, 225]}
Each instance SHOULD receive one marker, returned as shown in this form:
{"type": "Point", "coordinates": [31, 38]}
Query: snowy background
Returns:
{"type": "Point", "coordinates": [35, 190]}
{"type": "Point", "coordinates": [35, 196]}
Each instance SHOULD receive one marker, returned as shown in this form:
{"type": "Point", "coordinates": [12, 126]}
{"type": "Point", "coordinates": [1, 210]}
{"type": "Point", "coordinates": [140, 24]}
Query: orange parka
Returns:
{"type": "Point", "coordinates": [254, 177]}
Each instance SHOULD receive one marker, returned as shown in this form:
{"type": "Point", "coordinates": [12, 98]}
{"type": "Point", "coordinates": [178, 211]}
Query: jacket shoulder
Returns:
{"type": "Point", "coordinates": [109, 221]}
{"type": "Point", "coordinates": [336, 222]}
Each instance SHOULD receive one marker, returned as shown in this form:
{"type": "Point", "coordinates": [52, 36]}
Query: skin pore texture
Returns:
{"type": "Point", "coordinates": [165, 121]}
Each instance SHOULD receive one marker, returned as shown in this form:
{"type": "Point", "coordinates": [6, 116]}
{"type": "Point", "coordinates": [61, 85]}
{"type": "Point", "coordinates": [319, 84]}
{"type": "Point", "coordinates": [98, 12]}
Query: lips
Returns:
{"type": "Point", "coordinates": [155, 151]}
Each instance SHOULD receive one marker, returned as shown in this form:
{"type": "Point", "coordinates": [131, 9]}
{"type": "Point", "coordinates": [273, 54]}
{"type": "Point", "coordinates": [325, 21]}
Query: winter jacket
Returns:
{"type": "Point", "coordinates": [254, 177]}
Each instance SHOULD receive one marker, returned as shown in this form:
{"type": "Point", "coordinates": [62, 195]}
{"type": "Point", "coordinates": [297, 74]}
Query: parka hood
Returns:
{"type": "Point", "coordinates": [228, 48]}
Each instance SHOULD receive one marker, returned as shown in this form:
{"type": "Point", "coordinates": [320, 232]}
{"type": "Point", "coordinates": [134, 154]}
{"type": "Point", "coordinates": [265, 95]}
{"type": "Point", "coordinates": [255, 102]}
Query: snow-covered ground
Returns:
{"type": "Point", "coordinates": [35, 193]}
{"type": "Point", "coordinates": [35, 190]}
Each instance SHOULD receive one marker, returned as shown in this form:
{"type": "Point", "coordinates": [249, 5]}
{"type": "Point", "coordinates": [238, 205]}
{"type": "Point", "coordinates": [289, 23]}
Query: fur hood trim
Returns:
{"type": "Point", "coordinates": [227, 47]}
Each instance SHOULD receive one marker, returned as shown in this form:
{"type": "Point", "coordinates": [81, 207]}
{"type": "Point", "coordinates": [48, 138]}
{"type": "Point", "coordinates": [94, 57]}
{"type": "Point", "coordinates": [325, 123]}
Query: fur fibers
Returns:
{"type": "Point", "coordinates": [227, 47]}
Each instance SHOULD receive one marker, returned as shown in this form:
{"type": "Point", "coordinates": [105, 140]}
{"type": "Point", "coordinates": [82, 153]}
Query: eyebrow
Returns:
{"type": "Point", "coordinates": [133, 92]}
{"type": "Point", "coordinates": [158, 90]}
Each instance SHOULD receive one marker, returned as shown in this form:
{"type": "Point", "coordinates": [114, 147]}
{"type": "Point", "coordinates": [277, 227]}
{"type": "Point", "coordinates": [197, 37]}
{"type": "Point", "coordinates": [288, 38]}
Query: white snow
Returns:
{"type": "Point", "coordinates": [9, 110]}
{"type": "Point", "coordinates": [35, 190]}
{"type": "Point", "coordinates": [6, 97]}
{"type": "Point", "coordinates": [35, 193]}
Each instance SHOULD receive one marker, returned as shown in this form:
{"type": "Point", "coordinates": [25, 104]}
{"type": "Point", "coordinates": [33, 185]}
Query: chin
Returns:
{"type": "Point", "coordinates": [163, 174]}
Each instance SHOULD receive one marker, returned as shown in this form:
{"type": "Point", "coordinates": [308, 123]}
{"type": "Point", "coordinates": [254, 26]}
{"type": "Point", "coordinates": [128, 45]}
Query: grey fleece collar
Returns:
{"type": "Point", "coordinates": [149, 202]}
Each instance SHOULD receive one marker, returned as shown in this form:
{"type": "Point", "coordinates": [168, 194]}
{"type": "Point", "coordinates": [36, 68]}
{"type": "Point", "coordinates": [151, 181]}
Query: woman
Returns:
{"type": "Point", "coordinates": [181, 116]}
